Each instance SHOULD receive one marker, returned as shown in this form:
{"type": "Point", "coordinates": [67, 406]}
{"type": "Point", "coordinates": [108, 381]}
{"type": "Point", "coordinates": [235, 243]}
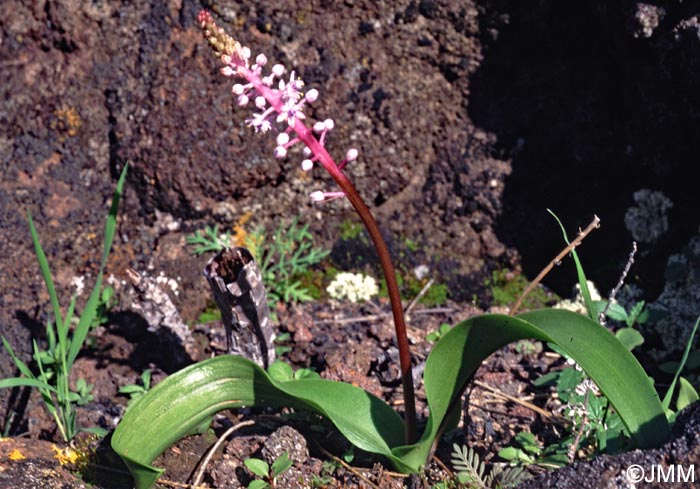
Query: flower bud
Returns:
{"type": "Point", "coordinates": [282, 139]}
{"type": "Point", "coordinates": [319, 127]}
{"type": "Point", "coordinates": [280, 152]}
{"type": "Point", "coordinates": [261, 60]}
{"type": "Point", "coordinates": [351, 155]}
{"type": "Point", "coordinates": [260, 102]}
{"type": "Point", "coordinates": [329, 124]}
{"type": "Point", "coordinates": [307, 165]}
{"type": "Point", "coordinates": [317, 196]}
{"type": "Point", "coordinates": [278, 70]}
{"type": "Point", "coordinates": [311, 96]}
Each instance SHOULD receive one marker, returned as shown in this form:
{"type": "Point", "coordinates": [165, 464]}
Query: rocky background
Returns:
{"type": "Point", "coordinates": [471, 119]}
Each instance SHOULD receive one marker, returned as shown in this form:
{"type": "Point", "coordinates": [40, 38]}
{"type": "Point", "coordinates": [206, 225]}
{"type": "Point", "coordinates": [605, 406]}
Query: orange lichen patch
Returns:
{"type": "Point", "coordinates": [68, 455]}
{"type": "Point", "coordinates": [67, 122]}
{"type": "Point", "coordinates": [16, 455]}
{"type": "Point", "coordinates": [240, 235]}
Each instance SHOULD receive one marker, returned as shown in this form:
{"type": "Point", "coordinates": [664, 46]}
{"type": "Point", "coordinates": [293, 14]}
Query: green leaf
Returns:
{"type": "Point", "coordinates": [90, 308]}
{"type": "Point", "coordinates": [180, 402]}
{"type": "Point", "coordinates": [258, 484]}
{"type": "Point", "coordinates": [615, 312]}
{"type": "Point", "coordinates": [629, 337]}
{"type": "Point", "coordinates": [257, 466]}
{"type": "Point", "coordinates": [170, 409]}
{"type": "Point", "coordinates": [281, 371]}
{"type": "Point", "coordinates": [606, 361]}
{"type": "Point", "coordinates": [45, 273]}
{"type": "Point", "coordinates": [25, 382]}
{"type": "Point", "coordinates": [667, 398]}
{"type": "Point", "coordinates": [583, 283]}
{"type": "Point", "coordinates": [281, 464]}
{"type": "Point", "coordinates": [686, 394]}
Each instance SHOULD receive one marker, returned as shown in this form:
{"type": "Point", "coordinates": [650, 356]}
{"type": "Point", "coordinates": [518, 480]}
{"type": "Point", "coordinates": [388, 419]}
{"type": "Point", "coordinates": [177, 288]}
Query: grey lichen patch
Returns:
{"type": "Point", "coordinates": [649, 219]}
{"type": "Point", "coordinates": [678, 306]}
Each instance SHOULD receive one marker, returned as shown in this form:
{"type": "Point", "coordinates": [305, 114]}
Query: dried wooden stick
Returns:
{"type": "Point", "coordinates": [215, 447]}
{"type": "Point", "coordinates": [545, 414]}
{"type": "Point", "coordinates": [348, 467]}
{"type": "Point", "coordinates": [417, 297]}
{"type": "Point", "coordinates": [595, 223]}
{"type": "Point", "coordinates": [613, 292]}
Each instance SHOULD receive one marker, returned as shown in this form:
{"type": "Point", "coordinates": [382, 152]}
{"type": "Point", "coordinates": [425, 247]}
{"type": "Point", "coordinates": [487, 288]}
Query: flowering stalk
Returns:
{"type": "Point", "coordinates": [284, 106]}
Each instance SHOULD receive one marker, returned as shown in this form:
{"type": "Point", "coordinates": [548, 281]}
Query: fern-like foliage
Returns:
{"type": "Point", "coordinates": [471, 471]}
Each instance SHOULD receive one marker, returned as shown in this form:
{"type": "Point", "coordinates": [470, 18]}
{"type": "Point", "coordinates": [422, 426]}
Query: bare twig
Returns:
{"type": "Point", "coordinates": [378, 317]}
{"type": "Point", "coordinates": [215, 447]}
{"type": "Point", "coordinates": [348, 467]}
{"type": "Point", "coordinates": [613, 292]}
{"type": "Point", "coordinates": [417, 297]}
{"type": "Point", "coordinates": [542, 412]}
{"type": "Point", "coordinates": [595, 223]}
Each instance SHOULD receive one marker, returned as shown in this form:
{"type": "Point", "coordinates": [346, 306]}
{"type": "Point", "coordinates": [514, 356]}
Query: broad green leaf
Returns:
{"type": "Point", "coordinates": [174, 406]}
{"type": "Point", "coordinates": [258, 484]}
{"type": "Point", "coordinates": [606, 361]}
{"type": "Point", "coordinates": [179, 403]}
{"type": "Point", "coordinates": [257, 466]}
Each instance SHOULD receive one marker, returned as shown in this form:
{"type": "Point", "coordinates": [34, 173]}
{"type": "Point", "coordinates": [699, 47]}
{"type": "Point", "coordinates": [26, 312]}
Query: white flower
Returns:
{"type": "Point", "coordinates": [353, 286]}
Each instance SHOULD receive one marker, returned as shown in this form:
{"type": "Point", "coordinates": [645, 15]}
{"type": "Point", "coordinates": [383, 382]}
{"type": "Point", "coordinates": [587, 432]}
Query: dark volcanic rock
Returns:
{"type": "Point", "coordinates": [608, 471]}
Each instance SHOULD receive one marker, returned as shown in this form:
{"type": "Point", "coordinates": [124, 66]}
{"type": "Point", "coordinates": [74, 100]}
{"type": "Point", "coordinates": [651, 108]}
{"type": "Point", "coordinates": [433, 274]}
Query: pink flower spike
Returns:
{"type": "Point", "coordinates": [307, 165]}
{"type": "Point", "coordinates": [319, 196]}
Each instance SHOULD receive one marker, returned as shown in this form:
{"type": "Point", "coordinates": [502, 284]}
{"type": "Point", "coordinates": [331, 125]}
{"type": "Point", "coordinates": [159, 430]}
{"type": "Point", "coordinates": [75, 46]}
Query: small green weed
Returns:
{"type": "Point", "coordinates": [268, 473]}
{"type": "Point", "coordinates": [54, 364]}
{"type": "Point", "coordinates": [506, 286]}
{"type": "Point", "coordinates": [434, 336]}
{"type": "Point", "coordinates": [471, 472]}
{"type": "Point", "coordinates": [135, 391]}
{"type": "Point", "coordinates": [285, 260]}
{"type": "Point", "coordinates": [211, 240]}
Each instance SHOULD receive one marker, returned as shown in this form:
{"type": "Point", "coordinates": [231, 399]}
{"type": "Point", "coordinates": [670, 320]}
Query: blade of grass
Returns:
{"type": "Point", "coordinates": [666, 403]}
{"type": "Point", "coordinates": [45, 272]}
{"type": "Point", "coordinates": [90, 309]}
{"type": "Point", "coordinates": [581, 275]}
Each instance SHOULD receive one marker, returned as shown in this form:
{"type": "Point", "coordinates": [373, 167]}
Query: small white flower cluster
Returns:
{"type": "Point", "coordinates": [353, 286]}
{"type": "Point", "coordinates": [172, 283]}
{"type": "Point", "coordinates": [578, 304]}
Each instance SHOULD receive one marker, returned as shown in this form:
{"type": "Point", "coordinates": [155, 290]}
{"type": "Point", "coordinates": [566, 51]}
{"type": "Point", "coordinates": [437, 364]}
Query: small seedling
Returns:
{"type": "Point", "coordinates": [135, 391]}
{"type": "Point", "coordinates": [267, 473]}
{"type": "Point", "coordinates": [434, 336]}
{"type": "Point", "coordinates": [471, 471]}
{"type": "Point", "coordinates": [211, 240]}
